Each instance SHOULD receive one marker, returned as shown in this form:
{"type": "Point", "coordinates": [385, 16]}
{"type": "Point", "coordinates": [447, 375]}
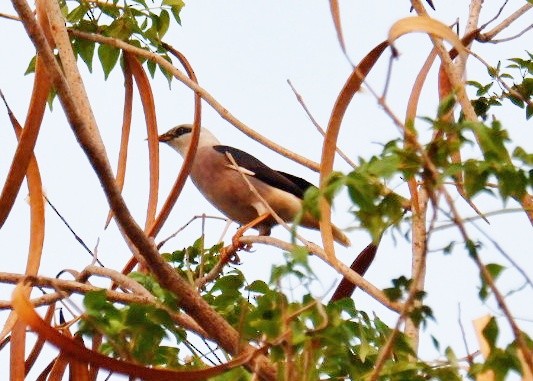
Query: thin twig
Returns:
{"type": "Point", "coordinates": [513, 37]}
{"type": "Point", "coordinates": [487, 277]}
{"type": "Point", "coordinates": [463, 335]}
{"type": "Point", "coordinates": [487, 37]}
{"type": "Point", "coordinates": [471, 26]}
{"type": "Point", "coordinates": [9, 17]}
{"type": "Point", "coordinates": [318, 126]}
{"type": "Point", "coordinates": [194, 218]}
{"type": "Point", "coordinates": [76, 236]}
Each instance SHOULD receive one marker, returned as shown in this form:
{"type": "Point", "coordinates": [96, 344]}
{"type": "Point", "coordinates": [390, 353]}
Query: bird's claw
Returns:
{"type": "Point", "coordinates": [229, 255]}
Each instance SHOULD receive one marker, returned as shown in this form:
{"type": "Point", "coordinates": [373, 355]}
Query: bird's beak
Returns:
{"type": "Point", "coordinates": [164, 137]}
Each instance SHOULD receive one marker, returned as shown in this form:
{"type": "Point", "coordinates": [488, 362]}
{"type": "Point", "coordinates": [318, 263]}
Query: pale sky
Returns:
{"type": "Point", "coordinates": [243, 53]}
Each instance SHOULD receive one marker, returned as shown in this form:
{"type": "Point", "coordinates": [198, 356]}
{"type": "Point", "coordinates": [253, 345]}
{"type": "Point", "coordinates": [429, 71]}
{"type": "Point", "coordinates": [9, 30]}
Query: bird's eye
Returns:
{"type": "Point", "coordinates": [183, 130]}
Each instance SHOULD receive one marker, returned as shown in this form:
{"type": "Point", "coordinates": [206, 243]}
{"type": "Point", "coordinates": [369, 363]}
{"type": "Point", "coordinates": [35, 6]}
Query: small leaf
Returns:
{"type": "Point", "coordinates": [258, 286]}
{"type": "Point", "coordinates": [95, 300]}
{"type": "Point", "coordinates": [120, 28]}
{"type": "Point", "coordinates": [176, 13]}
{"type": "Point", "coordinates": [163, 24]}
{"type": "Point", "coordinates": [151, 67]}
{"type": "Point", "coordinates": [490, 332]}
{"type": "Point", "coordinates": [108, 56]}
{"type": "Point", "coordinates": [78, 13]}
{"type": "Point", "coordinates": [175, 7]}
{"type": "Point", "coordinates": [494, 269]}
{"type": "Point", "coordinates": [446, 105]}
{"type": "Point", "coordinates": [449, 248]}
{"type": "Point", "coordinates": [31, 66]}
{"type": "Point", "coordinates": [85, 49]}
{"type": "Point", "coordinates": [229, 282]}
{"type": "Point", "coordinates": [435, 342]}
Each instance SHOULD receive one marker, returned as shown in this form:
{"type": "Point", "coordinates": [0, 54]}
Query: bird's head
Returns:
{"type": "Point", "coordinates": [179, 138]}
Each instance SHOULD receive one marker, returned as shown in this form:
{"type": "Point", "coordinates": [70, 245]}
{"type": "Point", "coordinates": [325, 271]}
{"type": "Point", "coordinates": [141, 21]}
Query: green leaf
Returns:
{"type": "Point", "coordinates": [78, 13]}
{"type": "Point", "coordinates": [258, 286]}
{"type": "Point", "coordinates": [491, 140]}
{"type": "Point", "coordinates": [311, 202]}
{"type": "Point", "coordinates": [266, 318]}
{"type": "Point", "coordinates": [494, 270]}
{"type": "Point", "coordinates": [174, 3]}
{"type": "Point", "coordinates": [31, 66]}
{"type": "Point", "coordinates": [490, 332]}
{"type": "Point", "coordinates": [85, 49]}
{"type": "Point", "coordinates": [471, 248]}
{"type": "Point", "coordinates": [151, 67]}
{"type": "Point", "coordinates": [449, 248]}
{"type": "Point", "coordinates": [120, 28]}
{"type": "Point", "coordinates": [94, 301]}
{"type": "Point", "coordinates": [110, 9]}
{"type": "Point", "coordinates": [300, 255]}
{"type": "Point", "coordinates": [229, 283]}
{"type": "Point", "coordinates": [522, 155]}
{"type": "Point", "coordinates": [512, 182]}
{"type": "Point", "coordinates": [163, 23]}
{"type": "Point", "coordinates": [108, 56]}
{"type": "Point", "coordinates": [476, 174]}
{"type": "Point", "coordinates": [394, 294]}
{"type": "Point", "coordinates": [435, 342]}
{"type": "Point", "coordinates": [446, 105]}
{"type": "Point", "coordinates": [175, 7]}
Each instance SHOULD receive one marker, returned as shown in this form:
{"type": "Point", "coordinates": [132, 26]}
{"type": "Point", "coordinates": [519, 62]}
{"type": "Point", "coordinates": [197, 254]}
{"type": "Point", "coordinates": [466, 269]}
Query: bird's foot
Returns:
{"type": "Point", "coordinates": [235, 240]}
{"type": "Point", "coordinates": [229, 254]}
{"type": "Point", "coordinates": [237, 245]}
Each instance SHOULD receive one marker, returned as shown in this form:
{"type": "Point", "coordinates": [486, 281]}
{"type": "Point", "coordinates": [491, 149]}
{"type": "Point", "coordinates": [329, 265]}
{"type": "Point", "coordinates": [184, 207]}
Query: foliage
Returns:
{"type": "Point", "coordinates": [307, 338]}
{"type": "Point", "coordinates": [519, 93]}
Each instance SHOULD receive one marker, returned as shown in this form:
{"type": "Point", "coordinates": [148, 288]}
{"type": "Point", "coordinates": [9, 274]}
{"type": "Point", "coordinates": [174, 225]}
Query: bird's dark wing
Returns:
{"type": "Point", "coordinates": [281, 180]}
{"type": "Point", "coordinates": [303, 184]}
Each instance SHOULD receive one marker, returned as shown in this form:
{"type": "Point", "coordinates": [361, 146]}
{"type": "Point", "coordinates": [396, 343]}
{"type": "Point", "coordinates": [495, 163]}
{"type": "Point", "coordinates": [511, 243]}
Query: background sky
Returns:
{"type": "Point", "coordinates": [243, 53]}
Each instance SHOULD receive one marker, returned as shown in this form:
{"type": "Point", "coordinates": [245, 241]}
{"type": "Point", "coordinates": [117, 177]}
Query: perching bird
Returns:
{"type": "Point", "coordinates": [224, 186]}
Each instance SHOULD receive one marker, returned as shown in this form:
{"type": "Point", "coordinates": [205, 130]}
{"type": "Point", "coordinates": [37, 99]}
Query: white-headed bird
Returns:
{"type": "Point", "coordinates": [222, 183]}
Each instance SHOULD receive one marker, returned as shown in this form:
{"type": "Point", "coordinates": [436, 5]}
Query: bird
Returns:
{"type": "Point", "coordinates": [223, 185]}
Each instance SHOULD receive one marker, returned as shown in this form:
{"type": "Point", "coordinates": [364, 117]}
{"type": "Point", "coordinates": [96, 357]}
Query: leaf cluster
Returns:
{"type": "Point", "coordinates": [136, 22]}
{"type": "Point", "coordinates": [304, 337]}
{"type": "Point", "coordinates": [374, 208]}
{"type": "Point", "coordinates": [134, 332]}
{"type": "Point", "coordinates": [520, 93]}
{"type": "Point", "coordinates": [501, 361]}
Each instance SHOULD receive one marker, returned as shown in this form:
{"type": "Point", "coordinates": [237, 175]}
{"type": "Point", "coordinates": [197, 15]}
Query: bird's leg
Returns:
{"type": "Point", "coordinates": [229, 253]}
{"type": "Point", "coordinates": [240, 231]}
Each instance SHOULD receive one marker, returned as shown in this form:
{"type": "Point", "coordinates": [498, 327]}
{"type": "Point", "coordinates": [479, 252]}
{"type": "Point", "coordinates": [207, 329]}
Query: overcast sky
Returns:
{"type": "Point", "coordinates": [243, 52]}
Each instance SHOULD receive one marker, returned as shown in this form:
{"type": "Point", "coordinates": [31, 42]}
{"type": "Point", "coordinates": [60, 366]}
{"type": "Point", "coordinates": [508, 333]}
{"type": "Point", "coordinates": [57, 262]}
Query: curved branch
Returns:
{"type": "Point", "coordinates": [65, 288]}
{"type": "Point", "coordinates": [224, 113]}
